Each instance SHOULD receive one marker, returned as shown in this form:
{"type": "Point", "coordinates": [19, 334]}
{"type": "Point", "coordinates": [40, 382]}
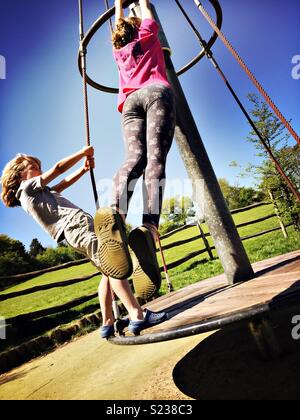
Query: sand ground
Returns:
{"type": "Point", "coordinates": [90, 368]}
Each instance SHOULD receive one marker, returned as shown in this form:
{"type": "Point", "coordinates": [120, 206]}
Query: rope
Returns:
{"type": "Point", "coordinates": [85, 96]}
{"type": "Point", "coordinates": [110, 21]}
{"type": "Point", "coordinates": [87, 132]}
{"type": "Point", "coordinates": [209, 55]}
{"type": "Point", "coordinates": [248, 71]}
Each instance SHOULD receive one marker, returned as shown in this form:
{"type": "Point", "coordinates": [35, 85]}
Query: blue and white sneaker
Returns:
{"type": "Point", "coordinates": [150, 319]}
{"type": "Point", "coordinates": [107, 331]}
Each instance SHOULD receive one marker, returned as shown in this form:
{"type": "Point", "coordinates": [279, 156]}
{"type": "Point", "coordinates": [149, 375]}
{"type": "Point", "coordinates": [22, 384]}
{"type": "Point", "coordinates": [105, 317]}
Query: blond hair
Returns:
{"type": "Point", "coordinates": [12, 177]}
{"type": "Point", "coordinates": [126, 29]}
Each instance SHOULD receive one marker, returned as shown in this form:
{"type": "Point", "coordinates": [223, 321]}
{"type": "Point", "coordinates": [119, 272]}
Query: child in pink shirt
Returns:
{"type": "Point", "coordinates": [147, 103]}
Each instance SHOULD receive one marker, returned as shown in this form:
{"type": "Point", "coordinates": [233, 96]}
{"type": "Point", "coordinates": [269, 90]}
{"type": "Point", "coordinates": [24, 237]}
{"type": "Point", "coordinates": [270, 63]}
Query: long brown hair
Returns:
{"type": "Point", "coordinates": [12, 177]}
{"type": "Point", "coordinates": [125, 31]}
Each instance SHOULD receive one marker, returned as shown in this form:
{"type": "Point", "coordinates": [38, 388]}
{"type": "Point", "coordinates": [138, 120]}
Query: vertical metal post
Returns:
{"type": "Point", "coordinates": [207, 192]}
{"type": "Point", "coordinates": [277, 212]}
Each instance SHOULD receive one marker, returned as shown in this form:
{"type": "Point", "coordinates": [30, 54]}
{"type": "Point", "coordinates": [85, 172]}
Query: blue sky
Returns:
{"type": "Point", "coordinates": [41, 111]}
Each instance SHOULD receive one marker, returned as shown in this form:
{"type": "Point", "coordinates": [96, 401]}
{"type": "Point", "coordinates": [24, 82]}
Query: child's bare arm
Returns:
{"type": "Point", "coordinates": [146, 9]}
{"type": "Point", "coordinates": [75, 176]}
{"type": "Point", "coordinates": [119, 10]}
{"type": "Point", "coordinates": [65, 164]}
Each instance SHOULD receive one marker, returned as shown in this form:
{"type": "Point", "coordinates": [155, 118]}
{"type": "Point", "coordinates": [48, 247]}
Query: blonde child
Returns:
{"type": "Point", "coordinates": [24, 184]}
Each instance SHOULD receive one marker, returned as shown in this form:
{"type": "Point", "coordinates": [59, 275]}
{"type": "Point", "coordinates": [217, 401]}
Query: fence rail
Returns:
{"type": "Point", "coordinates": [50, 311]}
{"type": "Point", "coordinates": [44, 287]}
{"type": "Point", "coordinates": [11, 280]}
{"type": "Point", "coordinates": [253, 206]}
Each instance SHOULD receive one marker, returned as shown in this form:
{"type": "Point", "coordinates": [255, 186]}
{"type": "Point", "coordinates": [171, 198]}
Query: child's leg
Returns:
{"type": "Point", "coordinates": [105, 299]}
{"type": "Point", "coordinates": [160, 132]}
{"type": "Point", "coordinates": [123, 290]}
{"type": "Point", "coordinates": [159, 105]}
{"type": "Point", "coordinates": [134, 131]}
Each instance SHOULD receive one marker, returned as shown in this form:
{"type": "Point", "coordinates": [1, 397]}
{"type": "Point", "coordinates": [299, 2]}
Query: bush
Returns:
{"type": "Point", "coordinates": [168, 227]}
{"type": "Point", "coordinates": [56, 256]}
{"type": "Point", "coordinates": [13, 257]}
{"type": "Point", "coordinates": [11, 263]}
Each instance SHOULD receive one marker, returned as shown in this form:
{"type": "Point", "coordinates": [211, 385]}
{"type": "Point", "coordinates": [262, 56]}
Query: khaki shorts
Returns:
{"type": "Point", "coordinates": [80, 235]}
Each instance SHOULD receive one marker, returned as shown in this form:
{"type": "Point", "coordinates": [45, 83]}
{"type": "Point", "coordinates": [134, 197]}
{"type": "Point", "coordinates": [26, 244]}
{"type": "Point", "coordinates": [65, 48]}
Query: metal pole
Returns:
{"type": "Point", "coordinates": [207, 192]}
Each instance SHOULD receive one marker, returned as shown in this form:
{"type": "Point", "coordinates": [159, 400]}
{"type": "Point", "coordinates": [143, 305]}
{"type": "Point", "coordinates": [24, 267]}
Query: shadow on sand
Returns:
{"type": "Point", "coordinates": [227, 366]}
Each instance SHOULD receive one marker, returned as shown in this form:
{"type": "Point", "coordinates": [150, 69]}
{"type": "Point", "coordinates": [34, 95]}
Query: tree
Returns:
{"type": "Point", "coordinates": [13, 257]}
{"type": "Point", "coordinates": [270, 180]}
{"type": "Point", "coordinates": [272, 183]}
{"type": "Point", "coordinates": [238, 197]}
{"type": "Point", "coordinates": [56, 256]}
{"type": "Point", "coordinates": [36, 248]}
{"type": "Point", "coordinates": [270, 127]}
{"type": "Point", "coordinates": [175, 213]}
{"type": "Point", "coordinates": [8, 244]}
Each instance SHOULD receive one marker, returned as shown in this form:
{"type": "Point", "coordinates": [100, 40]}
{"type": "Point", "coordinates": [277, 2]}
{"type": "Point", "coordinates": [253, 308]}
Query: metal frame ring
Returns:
{"type": "Point", "coordinates": [110, 13]}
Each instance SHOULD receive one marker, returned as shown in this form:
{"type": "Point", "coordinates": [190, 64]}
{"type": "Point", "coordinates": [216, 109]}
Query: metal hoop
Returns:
{"type": "Point", "coordinates": [108, 15]}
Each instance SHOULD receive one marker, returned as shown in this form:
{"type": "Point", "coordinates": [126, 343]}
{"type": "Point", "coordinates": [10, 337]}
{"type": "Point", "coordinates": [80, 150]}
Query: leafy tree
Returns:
{"type": "Point", "coordinates": [269, 180]}
{"type": "Point", "coordinates": [15, 260]}
{"type": "Point", "coordinates": [36, 248]}
{"type": "Point", "coordinates": [270, 127]}
{"type": "Point", "coordinates": [8, 244]}
{"type": "Point", "coordinates": [272, 183]}
{"type": "Point", "coordinates": [178, 210]}
{"type": "Point", "coordinates": [56, 256]}
{"type": "Point", "coordinates": [175, 213]}
{"type": "Point", "coordinates": [238, 197]}
{"type": "Point", "coordinates": [13, 257]}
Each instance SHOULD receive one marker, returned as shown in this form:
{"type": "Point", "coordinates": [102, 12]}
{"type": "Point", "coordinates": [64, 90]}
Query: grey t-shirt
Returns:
{"type": "Point", "coordinates": [50, 209]}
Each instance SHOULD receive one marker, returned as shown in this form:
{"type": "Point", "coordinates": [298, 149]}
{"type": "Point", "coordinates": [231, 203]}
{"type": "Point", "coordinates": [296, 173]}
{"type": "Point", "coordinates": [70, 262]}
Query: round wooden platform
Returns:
{"type": "Point", "coordinates": [212, 304]}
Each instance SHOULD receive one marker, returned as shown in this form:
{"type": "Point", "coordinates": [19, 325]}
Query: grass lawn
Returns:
{"type": "Point", "coordinates": [194, 270]}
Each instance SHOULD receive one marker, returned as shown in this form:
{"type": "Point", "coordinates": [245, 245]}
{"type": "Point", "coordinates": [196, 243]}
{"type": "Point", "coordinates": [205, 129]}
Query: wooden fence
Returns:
{"type": "Point", "coordinates": [12, 280]}
{"type": "Point", "coordinates": [201, 236]}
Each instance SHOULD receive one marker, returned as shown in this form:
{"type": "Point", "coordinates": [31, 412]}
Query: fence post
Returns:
{"type": "Point", "coordinates": [277, 212]}
{"type": "Point", "coordinates": [206, 243]}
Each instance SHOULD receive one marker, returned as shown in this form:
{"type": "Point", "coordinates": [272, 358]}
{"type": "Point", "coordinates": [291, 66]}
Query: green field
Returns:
{"type": "Point", "coordinates": [194, 270]}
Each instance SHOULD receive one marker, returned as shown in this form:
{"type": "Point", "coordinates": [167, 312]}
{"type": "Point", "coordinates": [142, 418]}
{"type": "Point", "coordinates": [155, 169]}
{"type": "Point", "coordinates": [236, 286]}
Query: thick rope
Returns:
{"type": "Point", "coordinates": [209, 54]}
{"type": "Point", "coordinates": [110, 21]}
{"type": "Point", "coordinates": [248, 71]}
{"type": "Point", "coordinates": [85, 96]}
{"type": "Point", "coordinates": [87, 132]}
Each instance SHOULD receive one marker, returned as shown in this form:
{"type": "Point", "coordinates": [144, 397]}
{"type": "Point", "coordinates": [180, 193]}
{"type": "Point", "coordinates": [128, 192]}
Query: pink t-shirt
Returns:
{"type": "Point", "coordinates": [141, 62]}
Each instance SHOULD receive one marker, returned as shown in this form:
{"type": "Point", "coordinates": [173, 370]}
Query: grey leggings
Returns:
{"type": "Point", "coordinates": [148, 126]}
